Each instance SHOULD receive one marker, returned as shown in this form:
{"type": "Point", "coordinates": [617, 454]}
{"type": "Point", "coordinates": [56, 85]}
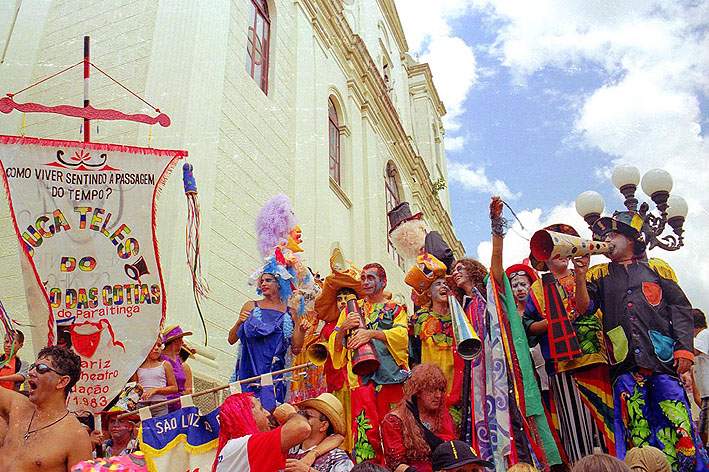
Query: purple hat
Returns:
{"type": "Point", "coordinates": [172, 332]}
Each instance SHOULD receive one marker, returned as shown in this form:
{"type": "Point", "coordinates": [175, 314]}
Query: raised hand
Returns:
{"type": "Point", "coordinates": [495, 207]}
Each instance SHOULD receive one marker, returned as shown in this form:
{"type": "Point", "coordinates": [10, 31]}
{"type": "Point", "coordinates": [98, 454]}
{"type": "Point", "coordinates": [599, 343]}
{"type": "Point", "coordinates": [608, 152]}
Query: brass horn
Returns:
{"type": "Point", "coordinates": [317, 353]}
{"type": "Point", "coordinates": [467, 341]}
{"type": "Point", "coordinates": [546, 245]}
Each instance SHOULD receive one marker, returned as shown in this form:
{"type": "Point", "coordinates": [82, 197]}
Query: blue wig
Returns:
{"type": "Point", "coordinates": [285, 275]}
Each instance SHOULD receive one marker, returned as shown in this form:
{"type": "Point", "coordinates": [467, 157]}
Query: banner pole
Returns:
{"type": "Point", "coordinates": [221, 387]}
{"type": "Point", "coordinates": [87, 127]}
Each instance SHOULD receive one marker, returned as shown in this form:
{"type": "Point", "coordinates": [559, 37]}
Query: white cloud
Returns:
{"type": "Point", "coordinates": [455, 143]}
{"type": "Point", "coordinates": [477, 180]}
{"type": "Point", "coordinates": [654, 58]}
{"type": "Point", "coordinates": [452, 61]}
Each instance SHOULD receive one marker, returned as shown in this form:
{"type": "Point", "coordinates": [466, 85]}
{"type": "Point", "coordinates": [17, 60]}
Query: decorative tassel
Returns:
{"type": "Point", "coordinates": [9, 328]}
{"type": "Point", "coordinates": [200, 288]}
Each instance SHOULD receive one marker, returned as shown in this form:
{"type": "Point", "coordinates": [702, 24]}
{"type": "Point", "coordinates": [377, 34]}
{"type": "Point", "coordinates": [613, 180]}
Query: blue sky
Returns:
{"type": "Point", "coordinates": [545, 98]}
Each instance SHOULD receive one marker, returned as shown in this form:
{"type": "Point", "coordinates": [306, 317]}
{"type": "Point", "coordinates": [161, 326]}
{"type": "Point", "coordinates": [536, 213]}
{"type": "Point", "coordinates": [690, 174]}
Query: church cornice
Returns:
{"type": "Point", "coordinates": [392, 17]}
{"type": "Point", "coordinates": [368, 87]}
{"type": "Point", "coordinates": [424, 70]}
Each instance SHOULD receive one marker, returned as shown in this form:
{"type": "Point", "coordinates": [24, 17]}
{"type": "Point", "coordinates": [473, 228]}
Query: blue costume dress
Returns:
{"type": "Point", "coordinates": [265, 337]}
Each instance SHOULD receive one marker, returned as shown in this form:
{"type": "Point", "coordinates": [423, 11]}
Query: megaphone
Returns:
{"type": "Point", "coordinates": [317, 353]}
{"type": "Point", "coordinates": [467, 341]}
{"type": "Point", "coordinates": [546, 245]}
{"type": "Point", "coordinates": [365, 360]}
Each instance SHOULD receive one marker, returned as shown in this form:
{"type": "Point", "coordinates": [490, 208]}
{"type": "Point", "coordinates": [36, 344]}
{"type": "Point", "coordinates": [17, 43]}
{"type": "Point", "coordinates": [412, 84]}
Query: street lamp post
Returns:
{"type": "Point", "coordinates": [656, 184]}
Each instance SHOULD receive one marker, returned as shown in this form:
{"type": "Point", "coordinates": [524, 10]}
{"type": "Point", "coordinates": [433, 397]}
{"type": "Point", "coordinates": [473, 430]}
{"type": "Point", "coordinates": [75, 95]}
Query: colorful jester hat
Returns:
{"type": "Point", "coordinates": [422, 275]}
{"type": "Point", "coordinates": [628, 223]}
{"type": "Point", "coordinates": [344, 275]}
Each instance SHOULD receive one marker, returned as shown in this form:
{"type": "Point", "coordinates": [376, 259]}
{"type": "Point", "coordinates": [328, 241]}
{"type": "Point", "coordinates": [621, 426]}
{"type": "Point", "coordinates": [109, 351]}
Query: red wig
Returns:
{"type": "Point", "coordinates": [380, 270]}
{"type": "Point", "coordinates": [235, 420]}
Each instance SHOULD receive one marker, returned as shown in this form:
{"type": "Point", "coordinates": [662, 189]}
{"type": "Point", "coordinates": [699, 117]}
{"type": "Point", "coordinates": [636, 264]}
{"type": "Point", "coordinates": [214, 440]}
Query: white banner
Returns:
{"type": "Point", "coordinates": [85, 217]}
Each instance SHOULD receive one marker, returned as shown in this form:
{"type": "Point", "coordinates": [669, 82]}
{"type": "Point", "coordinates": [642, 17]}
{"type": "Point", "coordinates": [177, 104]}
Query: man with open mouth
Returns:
{"type": "Point", "coordinates": [42, 434]}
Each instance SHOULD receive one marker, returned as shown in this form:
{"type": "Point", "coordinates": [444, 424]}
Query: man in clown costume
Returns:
{"type": "Point", "coordinates": [648, 326]}
{"type": "Point", "coordinates": [430, 326]}
{"type": "Point", "coordinates": [373, 394]}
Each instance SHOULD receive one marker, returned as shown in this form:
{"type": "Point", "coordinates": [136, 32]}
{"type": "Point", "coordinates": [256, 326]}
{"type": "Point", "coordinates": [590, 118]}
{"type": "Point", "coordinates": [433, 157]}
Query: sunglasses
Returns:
{"type": "Point", "coordinates": [307, 415]}
{"type": "Point", "coordinates": [43, 369]}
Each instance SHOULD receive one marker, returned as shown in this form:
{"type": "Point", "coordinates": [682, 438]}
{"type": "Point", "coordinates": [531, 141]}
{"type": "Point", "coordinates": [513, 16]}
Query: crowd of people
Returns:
{"type": "Point", "coordinates": [571, 367]}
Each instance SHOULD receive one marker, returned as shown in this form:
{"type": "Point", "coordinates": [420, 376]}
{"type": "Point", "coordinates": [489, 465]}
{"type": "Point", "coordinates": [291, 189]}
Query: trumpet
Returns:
{"type": "Point", "coordinates": [317, 353]}
{"type": "Point", "coordinates": [546, 245]}
{"type": "Point", "coordinates": [467, 341]}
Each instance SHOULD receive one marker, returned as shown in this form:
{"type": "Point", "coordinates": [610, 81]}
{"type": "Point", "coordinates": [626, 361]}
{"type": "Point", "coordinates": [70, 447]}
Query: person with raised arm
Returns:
{"type": "Point", "coordinates": [42, 434]}
{"type": "Point", "coordinates": [249, 441]}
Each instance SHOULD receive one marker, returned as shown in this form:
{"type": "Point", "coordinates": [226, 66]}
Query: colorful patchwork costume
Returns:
{"type": "Point", "coordinates": [373, 395]}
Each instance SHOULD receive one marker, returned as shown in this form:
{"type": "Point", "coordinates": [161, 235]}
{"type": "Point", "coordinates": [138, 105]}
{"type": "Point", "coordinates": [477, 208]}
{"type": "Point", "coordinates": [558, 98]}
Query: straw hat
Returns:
{"type": "Point", "coordinates": [330, 406]}
{"type": "Point", "coordinates": [188, 349]}
{"type": "Point", "coordinates": [342, 277]}
{"type": "Point", "coordinates": [172, 332]}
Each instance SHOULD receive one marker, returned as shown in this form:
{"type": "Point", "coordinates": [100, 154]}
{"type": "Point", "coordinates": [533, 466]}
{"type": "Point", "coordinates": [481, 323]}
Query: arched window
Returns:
{"type": "Point", "coordinates": [391, 189]}
{"type": "Point", "coordinates": [258, 40]}
{"type": "Point", "coordinates": [334, 149]}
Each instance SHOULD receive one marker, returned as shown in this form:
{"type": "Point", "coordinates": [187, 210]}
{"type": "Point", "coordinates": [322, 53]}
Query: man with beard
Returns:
{"type": "Point", "coordinates": [41, 434]}
{"type": "Point", "coordinates": [386, 329]}
{"type": "Point", "coordinates": [648, 323]}
{"type": "Point", "coordinates": [410, 237]}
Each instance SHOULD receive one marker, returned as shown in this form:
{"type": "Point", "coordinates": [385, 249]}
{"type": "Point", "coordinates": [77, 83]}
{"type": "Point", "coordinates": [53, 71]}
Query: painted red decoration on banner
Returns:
{"type": "Point", "coordinates": [7, 104]}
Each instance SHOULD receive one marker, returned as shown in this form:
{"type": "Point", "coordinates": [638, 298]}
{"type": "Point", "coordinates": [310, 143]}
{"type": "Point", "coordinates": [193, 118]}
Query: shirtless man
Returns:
{"type": "Point", "coordinates": [42, 435]}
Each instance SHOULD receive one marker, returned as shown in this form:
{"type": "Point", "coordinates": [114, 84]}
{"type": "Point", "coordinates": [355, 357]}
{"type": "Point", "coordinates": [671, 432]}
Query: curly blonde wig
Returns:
{"type": "Point", "coordinates": [409, 237]}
